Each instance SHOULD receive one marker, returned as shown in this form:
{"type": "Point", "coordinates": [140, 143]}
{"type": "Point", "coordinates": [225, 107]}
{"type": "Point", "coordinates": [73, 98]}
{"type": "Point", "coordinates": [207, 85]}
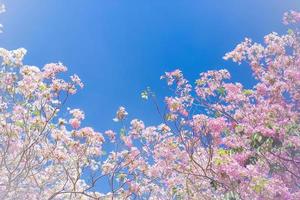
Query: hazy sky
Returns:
{"type": "Point", "coordinates": [120, 47]}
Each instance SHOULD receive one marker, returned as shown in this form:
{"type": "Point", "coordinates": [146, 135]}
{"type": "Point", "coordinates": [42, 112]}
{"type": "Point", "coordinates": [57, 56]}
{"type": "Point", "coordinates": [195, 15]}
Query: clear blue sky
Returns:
{"type": "Point", "coordinates": [120, 47]}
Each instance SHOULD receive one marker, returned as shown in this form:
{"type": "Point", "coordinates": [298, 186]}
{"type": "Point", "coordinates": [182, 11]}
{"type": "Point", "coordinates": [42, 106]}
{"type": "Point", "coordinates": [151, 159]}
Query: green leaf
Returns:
{"type": "Point", "coordinates": [247, 92]}
{"type": "Point", "coordinates": [199, 82]}
{"type": "Point", "coordinates": [144, 95]}
{"type": "Point", "coordinates": [36, 112]}
{"type": "Point", "coordinates": [121, 176]}
{"type": "Point", "coordinates": [260, 185]}
{"type": "Point", "coordinates": [221, 91]}
{"type": "Point", "coordinates": [218, 114]}
{"type": "Point", "coordinates": [239, 129]}
{"type": "Point", "coordinates": [19, 123]}
{"type": "Point", "coordinates": [290, 31]}
{"type": "Point", "coordinates": [122, 132]}
{"type": "Point", "coordinates": [42, 87]}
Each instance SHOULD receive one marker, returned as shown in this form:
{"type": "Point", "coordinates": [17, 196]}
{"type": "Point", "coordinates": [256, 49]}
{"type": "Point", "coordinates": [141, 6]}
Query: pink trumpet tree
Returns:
{"type": "Point", "coordinates": [217, 139]}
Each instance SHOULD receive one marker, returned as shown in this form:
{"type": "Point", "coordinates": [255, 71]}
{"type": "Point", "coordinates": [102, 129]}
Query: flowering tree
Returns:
{"type": "Point", "coordinates": [217, 140]}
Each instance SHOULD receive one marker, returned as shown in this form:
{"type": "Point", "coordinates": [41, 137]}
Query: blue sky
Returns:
{"type": "Point", "coordinates": [119, 48]}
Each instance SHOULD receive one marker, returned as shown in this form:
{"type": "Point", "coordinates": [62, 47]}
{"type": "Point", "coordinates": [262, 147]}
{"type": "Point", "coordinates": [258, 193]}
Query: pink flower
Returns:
{"type": "Point", "coordinates": [75, 123]}
{"type": "Point", "coordinates": [127, 141]}
{"type": "Point", "coordinates": [216, 125]}
{"type": "Point", "coordinates": [51, 69]}
{"type": "Point", "coordinates": [133, 187]}
{"type": "Point", "coordinates": [261, 89]}
{"type": "Point", "coordinates": [291, 17]}
{"type": "Point", "coordinates": [78, 114]}
{"type": "Point", "coordinates": [111, 135]}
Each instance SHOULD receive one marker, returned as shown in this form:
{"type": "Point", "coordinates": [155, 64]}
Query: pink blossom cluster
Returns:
{"type": "Point", "coordinates": [291, 17]}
